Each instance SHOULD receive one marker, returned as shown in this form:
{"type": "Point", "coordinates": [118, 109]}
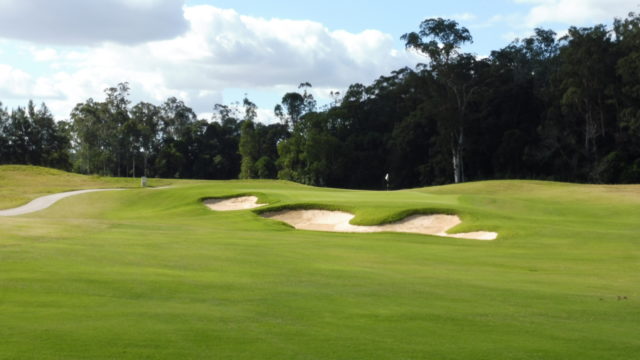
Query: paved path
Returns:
{"type": "Point", "coordinates": [44, 202]}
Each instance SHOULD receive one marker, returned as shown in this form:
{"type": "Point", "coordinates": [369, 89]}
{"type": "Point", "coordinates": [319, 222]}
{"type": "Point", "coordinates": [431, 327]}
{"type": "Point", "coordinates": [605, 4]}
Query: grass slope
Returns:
{"type": "Point", "coordinates": [153, 274]}
{"type": "Point", "coordinates": [20, 184]}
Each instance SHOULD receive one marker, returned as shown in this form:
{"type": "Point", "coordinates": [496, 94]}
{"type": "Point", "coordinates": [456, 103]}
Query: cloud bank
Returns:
{"type": "Point", "coordinates": [220, 49]}
{"type": "Point", "coordinates": [165, 48]}
{"type": "Point", "coordinates": [85, 22]}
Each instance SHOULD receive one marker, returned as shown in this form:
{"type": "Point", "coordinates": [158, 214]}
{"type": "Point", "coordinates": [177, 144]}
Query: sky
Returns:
{"type": "Point", "coordinates": [206, 52]}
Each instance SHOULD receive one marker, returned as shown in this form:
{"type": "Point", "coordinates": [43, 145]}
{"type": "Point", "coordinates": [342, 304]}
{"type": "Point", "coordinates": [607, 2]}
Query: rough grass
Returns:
{"type": "Point", "coordinates": [154, 274]}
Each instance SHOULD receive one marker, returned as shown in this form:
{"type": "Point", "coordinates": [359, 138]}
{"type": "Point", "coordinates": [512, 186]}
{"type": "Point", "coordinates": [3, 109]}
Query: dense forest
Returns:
{"type": "Point", "coordinates": [543, 107]}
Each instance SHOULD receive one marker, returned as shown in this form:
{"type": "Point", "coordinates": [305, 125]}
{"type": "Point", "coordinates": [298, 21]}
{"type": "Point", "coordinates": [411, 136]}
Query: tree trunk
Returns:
{"type": "Point", "coordinates": [462, 96]}
{"type": "Point", "coordinates": [461, 153]}
{"type": "Point", "coordinates": [145, 163]}
{"type": "Point", "coordinates": [458, 165]}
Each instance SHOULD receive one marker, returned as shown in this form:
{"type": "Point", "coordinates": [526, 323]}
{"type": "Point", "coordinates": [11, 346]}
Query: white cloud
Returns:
{"type": "Point", "coordinates": [576, 12]}
{"type": "Point", "coordinates": [18, 84]}
{"type": "Point", "coordinates": [512, 35]}
{"type": "Point", "coordinates": [82, 22]}
{"type": "Point", "coordinates": [222, 49]}
{"type": "Point", "coordinates": [267, 116]}
{"type": "Point", "coordinates": [512, 20]}
{"type": "Point", "coordinates": [556, 14]}
{"type": "Point", "coordinates": [14, 82]}
{"type": "Point", "coordinates": [464, 16]}
{"type": "Point", "coordinates": [44, 54]}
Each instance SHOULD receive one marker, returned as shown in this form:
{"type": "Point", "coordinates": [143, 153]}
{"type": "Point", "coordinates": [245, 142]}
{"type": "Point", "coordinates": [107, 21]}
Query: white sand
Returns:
{"type": "Point", "coordinates": [338, 221]}
{"type": "Point", "coordinates": [44, 202]}
{"type": "Point", "coordinates": [238, 203]}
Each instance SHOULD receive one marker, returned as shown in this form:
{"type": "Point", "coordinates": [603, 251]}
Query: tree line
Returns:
{"type": "Point", "coordinates": [542, 107]}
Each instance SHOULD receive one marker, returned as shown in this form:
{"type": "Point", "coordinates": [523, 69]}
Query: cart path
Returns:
{"type": "Point", "coordinates": [44, 202]}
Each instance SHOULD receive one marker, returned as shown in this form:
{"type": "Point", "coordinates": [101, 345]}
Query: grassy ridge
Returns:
{"type": "Point", "coordinates": [154, 274]}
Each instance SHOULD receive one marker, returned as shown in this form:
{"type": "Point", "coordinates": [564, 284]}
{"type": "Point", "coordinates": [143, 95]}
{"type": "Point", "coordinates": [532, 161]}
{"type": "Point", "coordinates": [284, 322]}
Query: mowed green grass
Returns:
{"type": "Point", "coordinates": [153, 274]}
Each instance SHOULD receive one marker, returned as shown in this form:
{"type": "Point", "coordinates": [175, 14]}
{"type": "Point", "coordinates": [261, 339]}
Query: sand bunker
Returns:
{"type": "Point", "coordinates": [237, 203]}
{"type": "Point", "coordinates": [338, 221]}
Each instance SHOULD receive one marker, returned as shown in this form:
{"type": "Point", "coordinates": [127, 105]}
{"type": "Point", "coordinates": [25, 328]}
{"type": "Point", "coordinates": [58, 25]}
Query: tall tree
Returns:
{"type": "Point", "coordinates": [587, 87]}
{"type": "Point", "coordinates": [91, 137]}
{"type": "Point", "coordinates": [627, 154]}
{"type": "Point", "coordinates": [294, 105]}
{"type": "Point", "coordinates": [249, 143]}
{"type": "Point", "coordinates": [20, 135]}
{"type": "Point", "coordinates": [176, 150]}
{"type": "Point", "coordinates": [4, 141]}
{"type": "Point", "coordinates": [440, 40]}
{"type": "Point", "coordinates": [117, 127]}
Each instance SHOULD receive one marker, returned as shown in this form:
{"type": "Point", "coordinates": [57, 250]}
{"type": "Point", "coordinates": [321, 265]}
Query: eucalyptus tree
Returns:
{"type": "Point", "coordinates": [295, 104]}
{"type": "Point", "coordinates": [248, 147]}
{"type": "Point", "coordinates": [87, 118]}
{"type": "Point", "coordinates": [440, 40]}
{"type": "Point", "coordinates": [176, 122]}
{"type": "Point", "coordinates": [60, 151]}
{"type": "Point", "coordinates": [627, 33]}
{"type": "Point", "coordinates": [4, 141]}
{"type": "Point", "coordinates": [144, 125]}
{"type": "Point", "coordinates": [221, 139]}
{"type": "Point", "coordinates": [587, 90]}
{"type": "Point", "coordinates": [519, 109]}
{"type": "Point", "coordinates": [313, 154]}
{"type": "Point", "coordinates": [116, 107]}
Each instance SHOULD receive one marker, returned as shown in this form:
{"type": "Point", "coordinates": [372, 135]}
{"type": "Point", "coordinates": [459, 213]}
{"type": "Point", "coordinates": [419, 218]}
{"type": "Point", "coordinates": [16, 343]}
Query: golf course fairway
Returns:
{"type": "Point", "coordinates": [155, 274]}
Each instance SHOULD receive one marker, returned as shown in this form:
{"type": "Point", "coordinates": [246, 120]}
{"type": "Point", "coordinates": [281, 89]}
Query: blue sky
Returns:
{"type": "Point", "coordinates": [214, 51]}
